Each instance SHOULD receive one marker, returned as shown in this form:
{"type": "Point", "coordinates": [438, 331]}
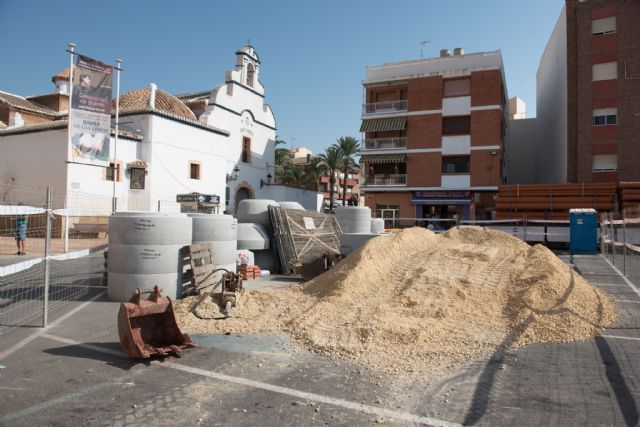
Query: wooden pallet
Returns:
{"type": "Point", "coordinates": [202, 263]}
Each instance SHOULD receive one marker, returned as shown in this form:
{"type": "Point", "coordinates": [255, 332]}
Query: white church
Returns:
{"type": "Point", "coordinates": [219, 142]}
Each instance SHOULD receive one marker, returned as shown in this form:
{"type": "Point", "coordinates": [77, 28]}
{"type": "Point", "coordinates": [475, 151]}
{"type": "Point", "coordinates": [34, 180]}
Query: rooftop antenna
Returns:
{"type": "Point", "coordinates": [423, 43]}
{"type": "Point", "coordinates": [248, 42]}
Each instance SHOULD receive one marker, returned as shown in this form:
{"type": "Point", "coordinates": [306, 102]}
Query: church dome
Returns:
{"type": "Point", "coordinates": [152, 98]}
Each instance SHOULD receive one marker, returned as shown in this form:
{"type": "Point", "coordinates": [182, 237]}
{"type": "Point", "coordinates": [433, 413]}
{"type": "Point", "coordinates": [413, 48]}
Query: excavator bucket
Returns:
{"type": "Point", "coordinates": [148, 327]}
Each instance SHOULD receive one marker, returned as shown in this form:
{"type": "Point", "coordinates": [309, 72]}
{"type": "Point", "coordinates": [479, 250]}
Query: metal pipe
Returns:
{"type": "Point", "coordinates": [47, 250]}
{"type": "Point", "coordinates": [116, 169]}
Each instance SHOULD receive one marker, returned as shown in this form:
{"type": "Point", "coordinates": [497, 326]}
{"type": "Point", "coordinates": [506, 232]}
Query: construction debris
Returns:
{"type": "Point", "coordinates": [417, 303]}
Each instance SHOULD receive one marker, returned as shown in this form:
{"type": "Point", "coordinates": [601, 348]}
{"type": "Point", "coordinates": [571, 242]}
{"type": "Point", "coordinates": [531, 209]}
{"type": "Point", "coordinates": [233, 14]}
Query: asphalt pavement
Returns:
{"type": "Point", "coordinates": [73, 373]}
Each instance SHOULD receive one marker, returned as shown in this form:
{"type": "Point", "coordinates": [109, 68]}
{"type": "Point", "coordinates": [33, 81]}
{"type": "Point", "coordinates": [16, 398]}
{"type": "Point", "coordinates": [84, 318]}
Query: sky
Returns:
{"type": "Point", "coordinates": [313, 54]}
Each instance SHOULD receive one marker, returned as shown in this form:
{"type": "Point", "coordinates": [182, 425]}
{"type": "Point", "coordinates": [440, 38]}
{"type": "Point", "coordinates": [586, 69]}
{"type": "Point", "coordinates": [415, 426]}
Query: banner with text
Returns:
{"type": "Point", "coordinates": [90, 112]}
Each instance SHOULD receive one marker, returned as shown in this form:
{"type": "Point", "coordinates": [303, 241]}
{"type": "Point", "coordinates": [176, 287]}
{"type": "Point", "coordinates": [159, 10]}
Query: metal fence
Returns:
{"type": "Point", "coordinates": [50, 255]}
{"type": "Point", "coordinates": [65, 236]}
{"type": "Point", "coordinates": [620, 241]}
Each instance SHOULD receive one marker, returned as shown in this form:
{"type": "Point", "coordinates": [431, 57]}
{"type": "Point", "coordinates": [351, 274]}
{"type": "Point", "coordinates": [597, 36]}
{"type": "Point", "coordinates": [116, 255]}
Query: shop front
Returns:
{"type": "Point", "coordinates": [445, 204]}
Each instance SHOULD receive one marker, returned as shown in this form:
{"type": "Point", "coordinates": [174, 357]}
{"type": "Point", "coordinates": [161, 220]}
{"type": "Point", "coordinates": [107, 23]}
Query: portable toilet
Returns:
{"type": "Point", "coordinates": [583, 231]}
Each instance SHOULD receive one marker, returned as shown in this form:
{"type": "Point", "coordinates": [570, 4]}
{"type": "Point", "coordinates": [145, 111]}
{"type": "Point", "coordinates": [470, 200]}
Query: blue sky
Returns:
{"type": "Point", "coordinates": [314, 53]}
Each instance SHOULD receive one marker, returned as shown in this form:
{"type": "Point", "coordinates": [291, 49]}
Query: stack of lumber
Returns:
{"type": "Point", "coordinates": [552, 201]}
{"type": "Point", "coordinates": [629, 194]}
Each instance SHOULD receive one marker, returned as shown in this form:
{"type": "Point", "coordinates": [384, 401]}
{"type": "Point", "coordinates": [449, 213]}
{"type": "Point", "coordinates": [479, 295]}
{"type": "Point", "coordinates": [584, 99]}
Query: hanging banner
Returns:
{"type": "Point", "coordinates": [90, 112]}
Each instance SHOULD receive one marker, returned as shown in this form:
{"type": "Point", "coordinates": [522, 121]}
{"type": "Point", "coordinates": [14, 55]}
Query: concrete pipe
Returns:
{"type": "Point", "coordinates": [218, 274]}
{"type": "Point", "coordinates": [224, 252]}
{"type": "Point", "coordinates": [350, 242]}
{"type": "Point", "coordinates": [214, 228]}
{"type": "Point", "coordinates": [255, 211]}
{"type": "Point", "coordinates": [354, 219]}
{"type": "Point", "coordinates": [252, 236]}
{"type": "Point", "coordinates": [168, 229]}
{"type": "Point", "coordinates": [377, 225]}
{"type": "Point", "coordinates": [292, 205]}
{"type": "Point", "coordinates": [266, 260]}
{"type": "Point", "coordinates": [145, 259]}
{"type": "Point", "coordinates": [121, 286]}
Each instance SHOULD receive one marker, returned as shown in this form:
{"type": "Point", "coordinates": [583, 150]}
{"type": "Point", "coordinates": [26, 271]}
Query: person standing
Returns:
{"type": "Point", "coordinates": [20, 233]}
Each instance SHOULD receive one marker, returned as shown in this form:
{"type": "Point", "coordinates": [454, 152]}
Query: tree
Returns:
{"type": "Point", "coordinates": [331, 159]}
{"type": "Point", "coordinates": [295, 177]}
{"type": "Point", "coordinates": [283, 160]}
{"type": "Point", "coordinates": [350, 147]}
{"type": "Point", "coordinates": [315, 170]}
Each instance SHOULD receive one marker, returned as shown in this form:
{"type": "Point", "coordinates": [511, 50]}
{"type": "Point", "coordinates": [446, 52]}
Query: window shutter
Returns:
{"type": "Point", "coordinates": [603, 26]}
{"type": "Point", "coordinates": [605, 162]}
{"type": "Point", "coordinates": [605, 71]}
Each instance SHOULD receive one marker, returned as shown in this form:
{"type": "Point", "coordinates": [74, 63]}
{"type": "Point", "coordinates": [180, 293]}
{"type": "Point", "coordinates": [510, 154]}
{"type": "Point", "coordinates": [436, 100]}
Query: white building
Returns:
{"type": "Point", "coordinates": [220, 142]}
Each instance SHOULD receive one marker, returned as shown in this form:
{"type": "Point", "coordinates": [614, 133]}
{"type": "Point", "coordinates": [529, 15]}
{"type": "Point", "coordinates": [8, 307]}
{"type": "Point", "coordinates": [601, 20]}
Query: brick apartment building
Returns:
{"type": "Point", "coordinates": [433, 137]}
{"type": "Point", "coordinates": [588, 92]}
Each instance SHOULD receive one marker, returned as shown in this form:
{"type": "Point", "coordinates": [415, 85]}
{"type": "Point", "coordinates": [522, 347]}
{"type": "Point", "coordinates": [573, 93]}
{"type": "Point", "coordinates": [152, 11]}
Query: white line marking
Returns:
{"type": "Point", "coordinates": [620, 338]}
{"type": "Point", "coordinates": [40, 332]}
{"type": "Point", "coordinates": [627, 281]}
{"type": "Point", "coordinates": [404, 416]}
{"type": "Point", "coordinates": [609, 284]}
{"type": "Point", "coordinates": [84, 345]}
{"type": "Point", "coordinates": [627, 300]}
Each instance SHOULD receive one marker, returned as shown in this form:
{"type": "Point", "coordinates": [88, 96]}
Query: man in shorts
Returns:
{"type": "Point", "coordinates": [20, 233]}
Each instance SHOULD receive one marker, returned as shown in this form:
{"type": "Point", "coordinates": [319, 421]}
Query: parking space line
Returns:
{"type": "Point", "coordinates": [620, 337]}
{"type": "Point", "coordinates": [403, 416]}
{"type": "Point", "coordinates": [627, 281]}
{"type": "Point", "coordinates": [17, 346]}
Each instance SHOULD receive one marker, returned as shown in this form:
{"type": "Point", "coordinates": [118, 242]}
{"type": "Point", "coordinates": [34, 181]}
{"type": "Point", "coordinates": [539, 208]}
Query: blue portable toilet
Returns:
{"type": "Point", "coordinates": [583, 231]}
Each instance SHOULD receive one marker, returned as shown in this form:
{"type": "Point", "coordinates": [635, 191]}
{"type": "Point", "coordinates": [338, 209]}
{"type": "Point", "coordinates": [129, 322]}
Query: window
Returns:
{"type": "Point", "coordinates": [246, 150]}
{"type": "Point", "coordinates": [455, 164]}
{"type": "Point", "coordinates": [194, 170]}
{"type": "Point", "coordinates": [250, 74]}
{"type": "Point", "coordinates": [457, 87]}
{"type": "Point", "coordinates": [137, 178]}
{"type": "Point", "coordinates": [604, 71]}
{"type": "Point", "coordinates": [603, 26]}
{"type": "Point", "coordinates": [605, 162]}
{"type": "Point", "coordinates": [110, 172]}
{"type": "Point", "coordinates": [456, 125]}
{"type": "Point", "coordinates": [605, 116]}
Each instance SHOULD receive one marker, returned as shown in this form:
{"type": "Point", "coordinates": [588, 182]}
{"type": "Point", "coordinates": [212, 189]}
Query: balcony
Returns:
{"type": "Point", "coordinates": [385, 179]}
{"type": "Point", "coordinates": [385, 107]}
{"type": "Point", "coordinates": [395, 143]}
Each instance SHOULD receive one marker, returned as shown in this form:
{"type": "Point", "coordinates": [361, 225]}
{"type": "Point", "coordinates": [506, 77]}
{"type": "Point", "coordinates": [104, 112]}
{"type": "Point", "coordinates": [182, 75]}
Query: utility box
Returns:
{"type": "Point", "coordinates": [583, 231]}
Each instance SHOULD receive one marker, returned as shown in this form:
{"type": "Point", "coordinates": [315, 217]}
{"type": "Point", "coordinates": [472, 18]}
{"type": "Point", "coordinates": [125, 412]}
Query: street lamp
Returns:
{"type": "Point", "coordinates": [235, 174]}
{"type": "Point", "coordinates": [267, 182]}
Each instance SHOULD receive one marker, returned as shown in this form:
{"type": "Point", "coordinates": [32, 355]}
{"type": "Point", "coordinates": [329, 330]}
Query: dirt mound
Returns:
{"type": "Point", "coordinates": [415, 302]}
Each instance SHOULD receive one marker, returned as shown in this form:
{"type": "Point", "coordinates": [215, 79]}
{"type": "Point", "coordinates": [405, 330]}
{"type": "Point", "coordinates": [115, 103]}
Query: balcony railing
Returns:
{"type": "Point", "coordinates": [386, 179]}
{"type": "Point", "coordinates": [386, 143]}
{"type": "Point", "coordinates": [385, 107]}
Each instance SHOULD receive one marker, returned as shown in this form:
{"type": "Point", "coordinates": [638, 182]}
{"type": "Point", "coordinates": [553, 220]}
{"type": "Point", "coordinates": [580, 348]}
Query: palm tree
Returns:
{"type": "Point", "coordinates": [350, 147]}
{"type": "Point", "coordinates": [315, 171]}
{"type": "Point", "coordinates": [283, 160]}
{"type": "Point", "coordinates": [331, 159]}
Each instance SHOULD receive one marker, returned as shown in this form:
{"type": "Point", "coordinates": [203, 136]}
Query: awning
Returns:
{"type": "Point", "coordinates": [383, 158]}
{"type": "Point", "coordinates": [378, 125]}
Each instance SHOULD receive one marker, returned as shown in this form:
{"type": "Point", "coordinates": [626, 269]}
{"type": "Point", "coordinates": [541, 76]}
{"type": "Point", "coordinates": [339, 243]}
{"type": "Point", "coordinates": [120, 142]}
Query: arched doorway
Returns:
{"type": "Point", "coordinates": [241, 194]}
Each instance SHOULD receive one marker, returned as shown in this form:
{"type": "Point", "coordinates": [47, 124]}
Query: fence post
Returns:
{"type": "Point", "coordinates": [47, 249]}
{"type": "Point", "coordinates": [66, 233]}
{"type": "Point", "coordinates": [612, 238]}
{"type": "Point", "coordinates": [624, 241]}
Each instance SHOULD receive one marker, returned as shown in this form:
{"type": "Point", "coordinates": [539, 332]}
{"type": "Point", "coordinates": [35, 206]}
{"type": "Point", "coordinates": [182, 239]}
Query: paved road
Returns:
{"type": "Point", "coordinates": [74, 374]}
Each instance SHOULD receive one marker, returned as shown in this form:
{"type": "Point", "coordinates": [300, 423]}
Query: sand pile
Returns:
{"type": "Point", "coordinates": [415, 301]}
